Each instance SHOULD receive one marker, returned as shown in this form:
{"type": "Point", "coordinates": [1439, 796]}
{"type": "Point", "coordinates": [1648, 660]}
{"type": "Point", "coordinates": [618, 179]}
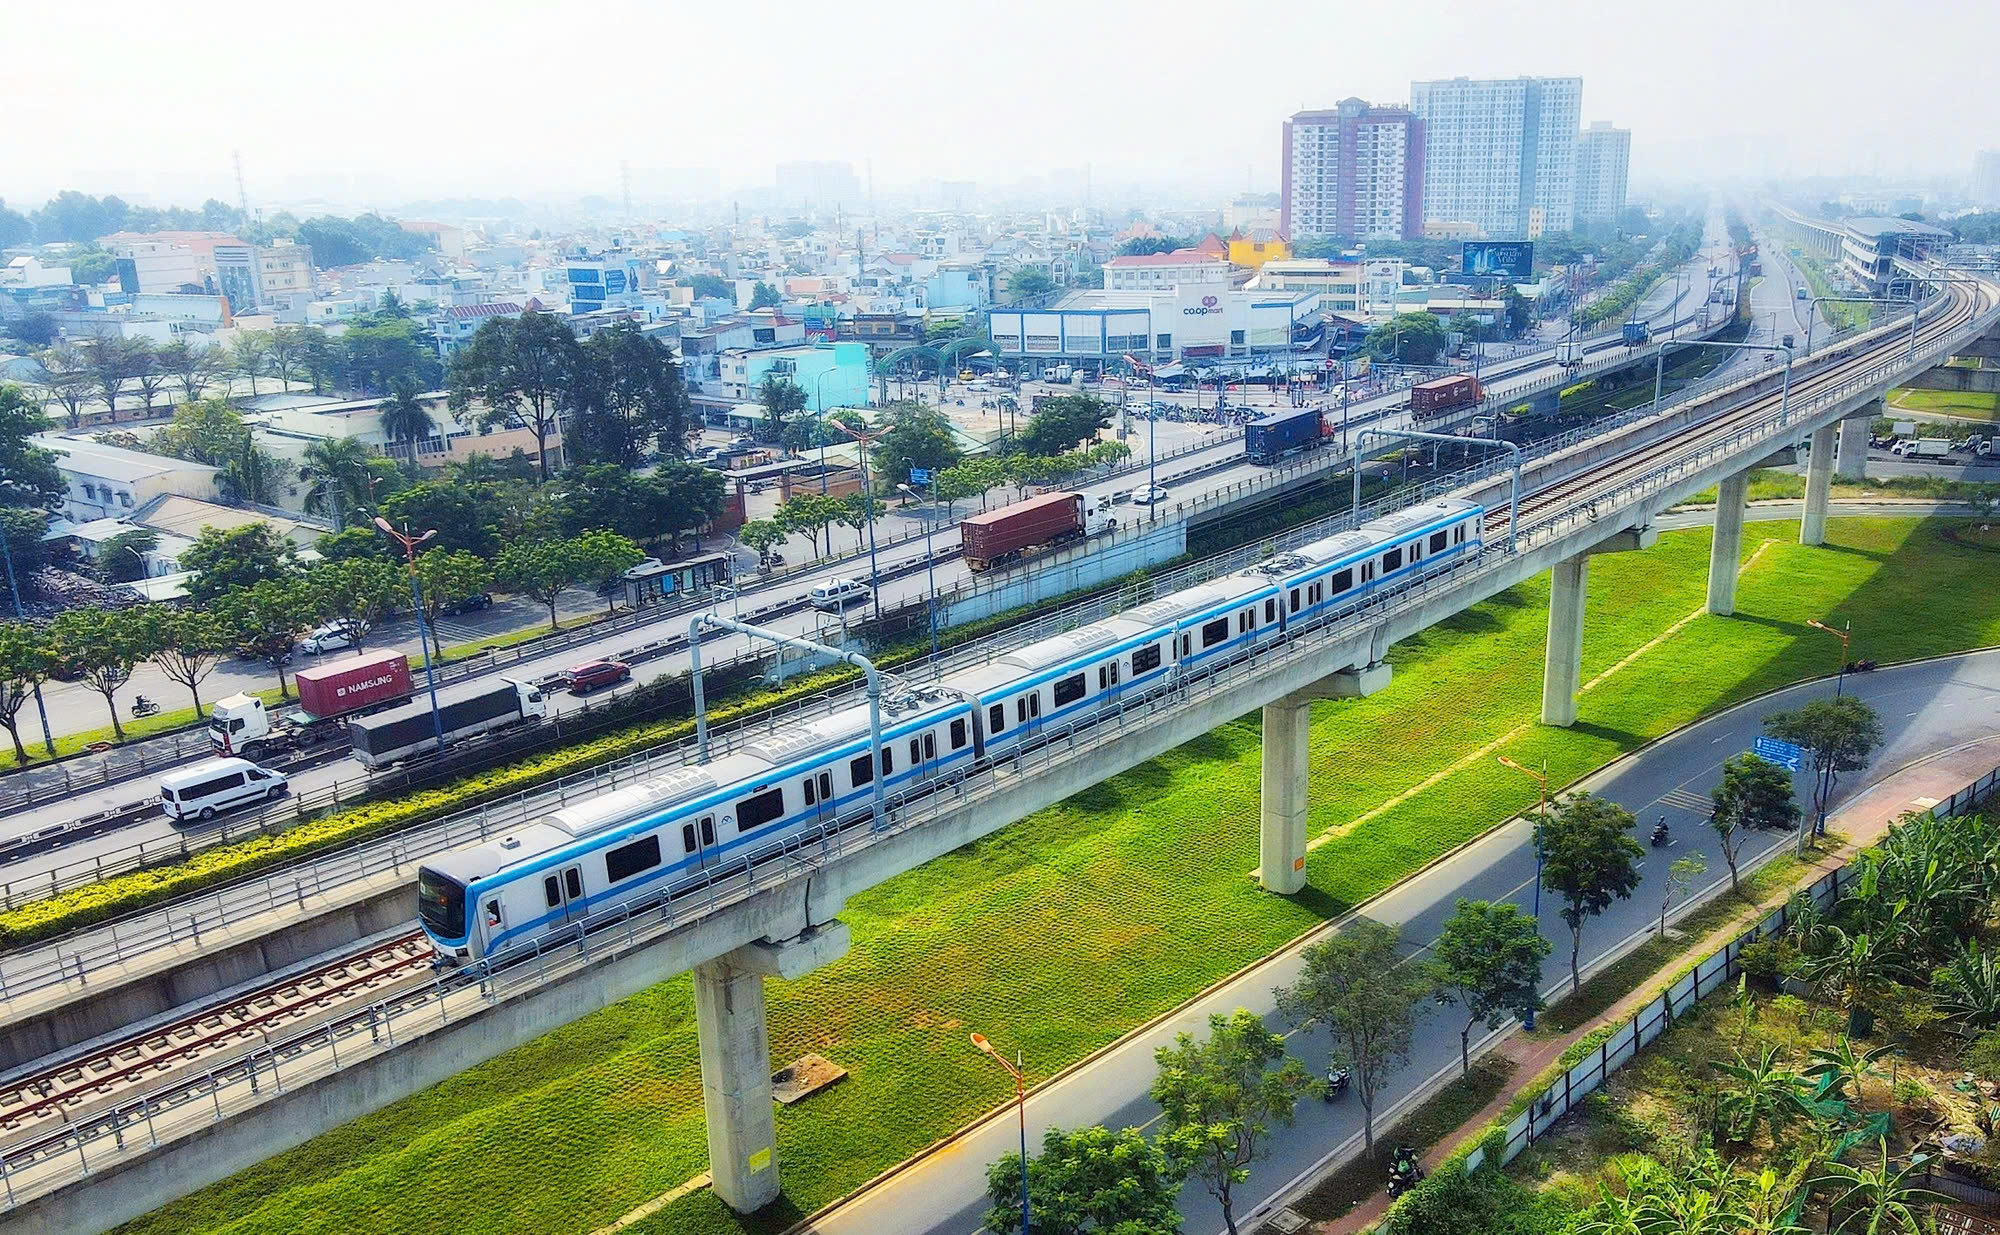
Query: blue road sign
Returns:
{"type": "Point", "coordinates": [1775, 750]}
{"type": "Point", "coordinates": [920, 475]}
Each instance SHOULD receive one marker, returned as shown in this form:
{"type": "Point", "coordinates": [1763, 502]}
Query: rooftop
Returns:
{"type": "Point", "coordinates": [114, 462]}
{"type": "Point", "coordinates": [1179, 257]}
{"type": "Point", "coordinates": [469, 312]}
{"type": "Point", "coordinates": [1876, 225]}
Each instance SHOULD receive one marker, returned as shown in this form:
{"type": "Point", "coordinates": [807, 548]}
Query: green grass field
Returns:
{"type": "Point", "coordinates": [1065, 930]}
{"type": "Point", "coordinates": [1968, 403]}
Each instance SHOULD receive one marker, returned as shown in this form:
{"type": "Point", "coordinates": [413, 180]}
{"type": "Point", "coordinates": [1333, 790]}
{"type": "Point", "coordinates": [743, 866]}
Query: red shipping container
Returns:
{"type": "Point", "coordinates": [999, 534]}
{"type": "Point", "coordinates": [345, 686]}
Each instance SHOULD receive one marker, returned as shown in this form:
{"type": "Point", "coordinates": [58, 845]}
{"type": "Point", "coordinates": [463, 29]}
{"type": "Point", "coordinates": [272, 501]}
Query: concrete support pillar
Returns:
{"type": "Point", "coordinates": [1726, 553]}
{"type": "Point", "coordinates": [1819, 486]}
{"type": "Point", "coordinates": [1281, 837]}
{"type": "Point", "coordinates": [1562, 670]}
{"type": "Point", "coordinates": [1851, 460]}
{"type": "Point", "coordinates": [736, 1059]}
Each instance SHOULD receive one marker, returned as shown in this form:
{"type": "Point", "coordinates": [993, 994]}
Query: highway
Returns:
{"type": "Point", "coordinates": [1925, 708]}
{"type": "Point", "coordinates": [1207, 470]}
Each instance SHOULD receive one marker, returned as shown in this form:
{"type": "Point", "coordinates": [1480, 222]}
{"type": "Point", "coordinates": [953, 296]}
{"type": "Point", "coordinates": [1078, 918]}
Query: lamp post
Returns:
{"type": "Point", "coordinates": [819, 426]}
{"type": "Point", "coordinates": [930, 575]}
{"type": "Point", "coordinates": [7, 555]}
{"type": "Point", "coordinates": [1844, 633]}
{"type": "Point", "coordinates": [1660, 365]}
{"type": "Point", "coordinates": [867, 438]}
{"type": "Point", "coordinates": [1541, 780]}
{"type": "Point", "coordinates": [410, 544]}
{"type": "Point", "coordinates": [1021, 1103]}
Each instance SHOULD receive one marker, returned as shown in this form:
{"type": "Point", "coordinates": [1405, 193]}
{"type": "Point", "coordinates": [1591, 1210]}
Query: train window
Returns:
{"type": "Point", "coordinates": [888, 760]}
{"type": "Point", "coordinates": [1295, 600]}
{"type": "Point", "coordinates": [573, 882]}
{"type": "Point", "coordinates": [1341, 580]}
{"type": "Point", "coordinates": [1270, 611]}
{"type": "Point", "coordinates": [1458, 534]}
{"type": "Point", "coordinates": [996, 719]}
{"type": "Point", "coordinates": [1438, 541]}
{"type": "Point", "coordinates": [687, 838]}
{"type": "Point", "coordinates": [812, 793]}
{"type": "Point", "coordinates": [861, 771]}
{"type": "Point", "coordinates": [1318, 592]}
{"type": "Point", "coordinates": [1416, 548]}
{"type": "Point", "coordinates": [552, 891]}
{"type": "Point", "coordinates": [1392, 560]}
{"type": "Point", "coordinates": [1368, 570]}
{"type": "Point", "coordinates": [1021, 709]}
{"type": "Point", "coordinates": [493, 913]}
{"type": "Point", "coordinates": [1146, 658]}
{"type": "Point", "coordinates": [1069, 689]}
{"type": "Point", "coordinates": [1244, 620]}
{"type": "Point", "coordinates": [1107, 675]}
{"type": "Point", "coordinates": [760, 808]}
{"type": "Point", "coordinates": [708, 829]}
{"type": "Point", "coordinates": [628, 860]}
{"type": "Point", "coordinates": [916, 751]}
{"type": "Point", "coordinates": [1184, 646]}
{"type": "Point", "coordinates": [1214, 632]}
{"type": "Point", "coordinates": [826, 786]}
{"type": "Point", "coordinates": [958, 734]}
{"type": "Point", "coordinates": [930, 746]}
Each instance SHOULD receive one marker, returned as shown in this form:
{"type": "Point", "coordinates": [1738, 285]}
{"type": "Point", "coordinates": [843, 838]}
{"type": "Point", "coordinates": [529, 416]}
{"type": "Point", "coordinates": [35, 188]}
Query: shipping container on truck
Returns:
{"type": "Point", "coordinates": [463, 711]}
{"type": "Point", "coordinates": [1445, 394]}
{"type": "Point", "coordinates": [1636, 333]}
{"type": "Point", "coordinates": [1000, 536]}
{"type": "Point", "coordinates": [1270, 438]}
{"type": "Point", "coordinates": [241, 724]}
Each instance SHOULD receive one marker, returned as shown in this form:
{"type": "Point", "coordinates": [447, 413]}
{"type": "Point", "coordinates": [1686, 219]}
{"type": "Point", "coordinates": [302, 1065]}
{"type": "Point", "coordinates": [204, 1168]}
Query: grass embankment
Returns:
{"type": "Point", "coordinates": [1065, 930]}
{"type": "Point", "coordinates": [1770, 484]}
{"type": "Point", "coordinates": [1844, 316]}
{"type": "Point", "coordinates": [1971, 404]}
{"type": "Point", "coordinates": [71, 743]}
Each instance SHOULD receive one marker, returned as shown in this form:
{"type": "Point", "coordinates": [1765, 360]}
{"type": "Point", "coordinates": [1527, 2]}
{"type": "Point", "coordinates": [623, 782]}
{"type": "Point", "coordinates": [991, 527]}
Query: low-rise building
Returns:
{"type": "Point", "coordinates": [831, 374]}
{"type": "Point", "coordinates": [1160, 271]}
{"type": "Point", "coordinates": [456, 325]}
{"type": "Point", "coordinates": [105, 482]}
{"type": "Point", "coordinates": [1191, 322]}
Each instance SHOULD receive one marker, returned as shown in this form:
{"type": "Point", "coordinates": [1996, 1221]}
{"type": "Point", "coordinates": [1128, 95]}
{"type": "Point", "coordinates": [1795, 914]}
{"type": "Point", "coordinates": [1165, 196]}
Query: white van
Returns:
{"type": "Point", "coordinates": [199, 791]}
{"type": "Point", "coordinates": [837, 594]}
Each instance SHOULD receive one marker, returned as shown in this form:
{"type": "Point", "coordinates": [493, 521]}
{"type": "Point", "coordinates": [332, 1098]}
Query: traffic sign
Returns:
{"type": "Point", "coordinates": [1775, 750]}
{"type": "Point", "coordinates": [920, 475]}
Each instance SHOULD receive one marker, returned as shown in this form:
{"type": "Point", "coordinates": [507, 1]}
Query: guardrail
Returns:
{"type": "Point", "coordinates": [49, 964]}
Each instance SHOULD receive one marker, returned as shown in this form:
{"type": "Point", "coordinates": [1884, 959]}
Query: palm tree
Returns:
{"type": "Point", "coordinates": [251, 475]}
{"type": "Point", "coordinates": [1765, 1093]}
{"type": "Point", "coordinates": [404, 417]}
{"type": "Point", "coordinates": [338, 471]}
{"type": "Point", "coordinates": [1878, 1199]}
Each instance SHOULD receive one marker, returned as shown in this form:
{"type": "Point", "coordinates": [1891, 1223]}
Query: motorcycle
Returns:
{"type": "Point", "coordinates": [1337, 1080]}
{"type": "Point", "coordinates": [1405, 1172]}
{"type": "Point", "coordinates": [143, 707]}
{"type": "Point", "coordinates": [1860, 666]}
{"type": "Point", "coordinates": [1660, 835]}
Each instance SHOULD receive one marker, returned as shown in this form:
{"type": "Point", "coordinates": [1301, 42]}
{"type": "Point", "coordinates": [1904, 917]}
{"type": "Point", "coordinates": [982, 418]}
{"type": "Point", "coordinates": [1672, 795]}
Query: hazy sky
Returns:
{"type": "Point", "coordinates": [375, 102]}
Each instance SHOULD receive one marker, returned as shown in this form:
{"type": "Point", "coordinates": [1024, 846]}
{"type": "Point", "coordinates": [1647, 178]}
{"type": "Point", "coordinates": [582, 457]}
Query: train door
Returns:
{"type": "Point", "coordinates": [698, 840]}
{"type": "Point", "coordinates": [563, 890]}
{"type": "Point", "coordinates": [1028, 712]}
{"type": "Point", "coordinates": [818, 789]}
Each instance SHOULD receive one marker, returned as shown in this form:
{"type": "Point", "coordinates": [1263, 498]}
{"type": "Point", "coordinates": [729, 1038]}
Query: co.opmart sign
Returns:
{"type": "Point", "coordinates": [1208, 305]}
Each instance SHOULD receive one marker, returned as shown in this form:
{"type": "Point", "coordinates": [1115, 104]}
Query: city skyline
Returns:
{"type": "Point", "coordinates": [100, 114]}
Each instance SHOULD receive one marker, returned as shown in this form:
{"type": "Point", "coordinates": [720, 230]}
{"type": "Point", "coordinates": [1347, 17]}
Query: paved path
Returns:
{"type": "Point", "coordinates": [1926, 708]}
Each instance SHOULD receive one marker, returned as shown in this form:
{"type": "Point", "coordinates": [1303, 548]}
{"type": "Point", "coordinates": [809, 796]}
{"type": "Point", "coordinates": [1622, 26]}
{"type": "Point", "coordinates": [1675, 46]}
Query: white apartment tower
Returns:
{"type": "Point", "coordinates": [1500, 156]}
{"type": "Point", "coordinates": [1603, 163]}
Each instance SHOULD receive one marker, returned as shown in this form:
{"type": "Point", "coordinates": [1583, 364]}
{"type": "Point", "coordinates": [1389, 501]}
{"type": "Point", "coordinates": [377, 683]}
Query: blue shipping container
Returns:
{"type": "Point", "coordinates": [1268, 439]}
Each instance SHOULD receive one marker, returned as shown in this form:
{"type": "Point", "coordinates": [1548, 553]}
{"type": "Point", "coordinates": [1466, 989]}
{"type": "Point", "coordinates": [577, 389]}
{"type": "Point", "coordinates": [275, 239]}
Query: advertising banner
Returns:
{"type": "Point", "coordinates": [1500, 259]}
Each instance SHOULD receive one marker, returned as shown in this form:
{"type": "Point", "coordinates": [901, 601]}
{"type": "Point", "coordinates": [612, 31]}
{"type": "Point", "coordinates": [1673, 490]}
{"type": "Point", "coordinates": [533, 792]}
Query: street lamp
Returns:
{"type": "Point", "coordinates": [819, 426]}
{"type": "Point", "coordinates": [1020, 1102]}
{"type": "Point", "coordinates": [1541, 780]}
{"type": "Point", "coordinates": [7, 555]}
{"type": "Point", "coordinates": [410, 544]}
{"type": "Point", "coordinates": [930, 574]}
{"type": "Point", "coordinates": [1660, 365]}
{"type": "Point", "coordinates": [1842, 634]}
{"type": "Point", "coordinates": [866, 438]}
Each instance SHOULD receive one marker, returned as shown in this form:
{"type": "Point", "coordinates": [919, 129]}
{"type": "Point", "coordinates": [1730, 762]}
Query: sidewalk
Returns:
{"type": "Point", "coordinates": [1916, 786]}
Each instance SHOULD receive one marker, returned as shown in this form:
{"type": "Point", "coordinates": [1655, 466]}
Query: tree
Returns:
{"type": "Point", "coordinates": [405, 419]}
{"type": "Point", "coordinates": [543, 569]}
{"type": "Point", "coordinates": [629, 399]}
{"type": "Point", "coordinates": [914, 436]}
{"type": "Point", "coordinates": [813, 514]}
{"type": "Point", "coordinates": [1839, 734]}
{"type": "Point", "coordinates": [1488, 961]}
{"type": "Point", "coordinates": [224, 561]}
{"type": "Point", "coordinates": [250, 355]}
{"type": "Point", "coordinates": [1357, 986]}
{"type": "Point", "coordinates": [1680, 877]}
{"type": "Point", "coordinates": [1218, 1099]}
{"type": "Point", "coordinates": [1089, 1182]}
{"type": "Point", "coordinates": [522, 369]}
{"type": "Point", "coordinates": [264, 621]}
{"type": "Point", "coordinates": [1027, 283]}
{"type": "Point", "coordinates": [1063, 423]}
{"type": "Point", "coordinates": [337, 472]}
{"type": "Point", "coordinates": [709, 287]}
{"type": "Point", "coordinates": [28, 473]}
{"type": "Point", "coordinates": [357, 592]}
{"type": "Point", "coordinates": [446, 578]}
{"type": "Point", "coordinates": [67, 380]}
{"type": "Point", "coordinates": [1588, 859]}
{"type": "Point", "coordinates": [186, 644]}
{"type": "Point", "coordinates": [113, 362]}
{"type": "Point", "coordinates": [461, 514]}
{"type": "Point", "coordinates": [602, 557]}
{"type": "Point", "coordinates": [250, 475]}
{"type": "Point", "coordinates": [148, 376]}
{"type": "Point", "coordinates": [285, 351]}
{"type": "Point", "coordinates": [101, 646]}
{"type": "Point", "coordinates": [14, 227]}
{"type": "Point", "coordinates": [783, 399]}
{"type": "Point", "coordinates": [761, 536]}
{"type": "Point", "coordinates": [764, 296]}
{"type": "Point", "coordinates": [1753, 794]}
{"type": "Point", "coordinates": [192, 367]}
{"type": "Point", "coordinates": [201, 431]}
{"type": "Point", "coordinates": [319, 357]}
{"type": "Point", "coordinates": [25, 663]}
{"type": "Point", "coordinates": [1408, 338]}
{"type": "Point", "coordinates": [1878, 1198]}
{"type": "Point", "coordinates": [123, 558]}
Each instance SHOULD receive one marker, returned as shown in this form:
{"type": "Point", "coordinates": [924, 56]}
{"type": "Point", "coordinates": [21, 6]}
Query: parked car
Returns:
{"type": "Point", "coordinates": [471, 604]}
{"type": "Point", "coordinates": [595, 675]}
{"type": "Point", "coordinates": [331, 637]}
{"type": "Point", "coordinates": [836, 594]}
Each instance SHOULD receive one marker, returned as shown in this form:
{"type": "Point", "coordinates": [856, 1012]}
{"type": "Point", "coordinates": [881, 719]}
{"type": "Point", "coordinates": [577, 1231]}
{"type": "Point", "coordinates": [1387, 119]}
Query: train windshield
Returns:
{"type": "Point", "coordinates": [441, 903]}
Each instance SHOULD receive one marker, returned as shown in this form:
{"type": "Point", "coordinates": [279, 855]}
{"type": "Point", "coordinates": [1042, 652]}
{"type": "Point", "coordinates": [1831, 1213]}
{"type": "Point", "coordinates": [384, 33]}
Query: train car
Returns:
{"type": "Point", "coordinates": [1445, 394]}
{"type": "Point", "coordinates": [667, 835]}
{"type": "Point", "coordinates": [1270, 438]}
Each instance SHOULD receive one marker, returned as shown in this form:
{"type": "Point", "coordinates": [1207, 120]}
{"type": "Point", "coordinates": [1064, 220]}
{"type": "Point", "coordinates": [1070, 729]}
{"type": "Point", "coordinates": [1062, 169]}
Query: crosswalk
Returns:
{"type": "Point", "coordinates": [1682, 799]}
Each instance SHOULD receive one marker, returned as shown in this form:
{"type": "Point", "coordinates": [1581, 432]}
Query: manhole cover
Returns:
{"type": "Point", "coordinates": [1287, 1220]}
{"type": "Point", "coordinates": [803, 1077]}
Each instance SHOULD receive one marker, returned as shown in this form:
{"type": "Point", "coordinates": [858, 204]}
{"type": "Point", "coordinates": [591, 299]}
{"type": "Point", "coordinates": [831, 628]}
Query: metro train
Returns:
{"type": "Point", "coordinates": [667, 835]}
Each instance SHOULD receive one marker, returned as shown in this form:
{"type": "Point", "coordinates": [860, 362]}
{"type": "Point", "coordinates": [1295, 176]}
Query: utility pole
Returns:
{"type": "Point", "coordinates": [242, 193]}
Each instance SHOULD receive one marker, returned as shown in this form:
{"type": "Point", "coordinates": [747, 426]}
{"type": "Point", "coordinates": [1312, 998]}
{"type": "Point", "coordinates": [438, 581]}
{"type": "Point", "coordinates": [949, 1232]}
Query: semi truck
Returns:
{"type": "Point", "coordinates": [1001, 536]}
{"type": "Point", "coordinates": [1636, 333]}
{"type": "Point", "coordinates": [464, 711]}
{"type": "Point", "coordinates": [1270, 438]}
{"type": "Point", "coordinates": [1444, 394]}
{"type": "Point", "coordinates": [328, 694]}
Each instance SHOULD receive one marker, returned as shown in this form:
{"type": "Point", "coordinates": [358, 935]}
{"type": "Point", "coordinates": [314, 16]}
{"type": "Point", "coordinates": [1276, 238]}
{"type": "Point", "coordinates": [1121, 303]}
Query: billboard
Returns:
{"type": "Point", "coordinates": [1500, 259]}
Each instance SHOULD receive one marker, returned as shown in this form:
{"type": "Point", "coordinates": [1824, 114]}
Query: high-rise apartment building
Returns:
{"type": "Point", "coordinates": [1499, 156]}
{"type": "Point", "coordinates": [1603, 165]}
{"type": "Point", "coordinates": [1353, 172]}
{"type": "Point", "coordinates": [1986, 178]}
{"type": "Point", "coordinates": [822, 184]}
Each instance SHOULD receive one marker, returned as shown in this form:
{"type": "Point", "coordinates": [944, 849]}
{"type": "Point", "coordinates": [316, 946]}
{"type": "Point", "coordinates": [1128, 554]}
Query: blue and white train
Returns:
{"type": "Point", "coordinates": [666, 835]}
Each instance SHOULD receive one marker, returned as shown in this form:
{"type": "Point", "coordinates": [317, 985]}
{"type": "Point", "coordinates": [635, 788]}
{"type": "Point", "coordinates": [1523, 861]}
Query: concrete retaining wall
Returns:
{"type": "Point", "coordinates": [1087, 564]}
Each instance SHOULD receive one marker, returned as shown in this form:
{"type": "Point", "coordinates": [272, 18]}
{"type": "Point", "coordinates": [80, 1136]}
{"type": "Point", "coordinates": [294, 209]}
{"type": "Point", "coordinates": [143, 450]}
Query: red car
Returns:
{"type": "Point", "coordinates": [596, 674]}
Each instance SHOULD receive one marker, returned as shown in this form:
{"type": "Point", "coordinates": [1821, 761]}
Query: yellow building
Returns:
{"type": "Point", "coordinates": [1252, 249]}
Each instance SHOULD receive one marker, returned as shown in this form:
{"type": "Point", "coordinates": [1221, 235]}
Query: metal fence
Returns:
{"type": "Point", "coordinates": [1717, 971]}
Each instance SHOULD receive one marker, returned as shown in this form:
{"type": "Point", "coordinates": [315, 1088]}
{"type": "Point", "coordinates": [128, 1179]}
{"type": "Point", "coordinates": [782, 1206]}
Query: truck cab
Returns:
{"type": "Point", "coordinates": [237, 723]}
{"type": "Point", "coordinates": [1097, 514]}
